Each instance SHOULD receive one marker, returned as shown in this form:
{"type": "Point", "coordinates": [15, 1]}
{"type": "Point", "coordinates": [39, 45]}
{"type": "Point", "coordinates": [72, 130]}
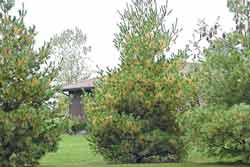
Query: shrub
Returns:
{"type": "Point", "coordinates": [26, 135]}
{"type": "Point", "coordinates": [123, 138]}
{"type": "Point", "coordinates": [219, 131]}
{"type": "Point", "coordinates": [74, 125]}
{"type": "Point", "coordinates": [79, 126]}
{"type": "Point", "coordinates": [133, 117]}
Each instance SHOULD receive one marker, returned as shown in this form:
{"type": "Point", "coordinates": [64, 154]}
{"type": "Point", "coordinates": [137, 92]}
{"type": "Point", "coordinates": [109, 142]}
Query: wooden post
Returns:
{"type": "Point", "coordinates": [76, 108]}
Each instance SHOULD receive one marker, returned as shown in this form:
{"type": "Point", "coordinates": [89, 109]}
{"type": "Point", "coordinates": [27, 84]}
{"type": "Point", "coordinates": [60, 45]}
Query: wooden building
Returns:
{"type": "Point", "coordinates": [75, 92]}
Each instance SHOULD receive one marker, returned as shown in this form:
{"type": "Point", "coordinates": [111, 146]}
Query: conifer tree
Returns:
{"type": "Point", "coordinates": [28, 127]}
{"type": "Point", "coordinates": [134, 116]}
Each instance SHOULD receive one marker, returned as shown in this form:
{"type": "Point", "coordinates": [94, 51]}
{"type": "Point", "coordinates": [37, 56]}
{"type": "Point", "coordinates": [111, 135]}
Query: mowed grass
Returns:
{"type": "Point", "coordinates": [74, 151]}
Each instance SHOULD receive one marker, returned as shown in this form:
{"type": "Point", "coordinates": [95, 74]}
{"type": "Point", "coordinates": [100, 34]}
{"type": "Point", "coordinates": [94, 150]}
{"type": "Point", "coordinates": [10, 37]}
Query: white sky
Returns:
{"type": "Point", "coordinates": [98, 19]}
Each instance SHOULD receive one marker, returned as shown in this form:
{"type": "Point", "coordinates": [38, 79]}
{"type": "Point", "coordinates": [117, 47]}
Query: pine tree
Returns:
{"type": "Point", "coordinates": [134, 116]}
{"type": "Point", "coordinates": [25, 74]}
{"type": "Point", "coordinates": [27, 126]}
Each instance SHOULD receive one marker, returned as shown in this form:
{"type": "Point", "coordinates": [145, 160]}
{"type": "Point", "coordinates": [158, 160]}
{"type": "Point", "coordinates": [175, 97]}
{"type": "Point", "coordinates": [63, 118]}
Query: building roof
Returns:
{"type": "Point", "coordinates": [82, 85]}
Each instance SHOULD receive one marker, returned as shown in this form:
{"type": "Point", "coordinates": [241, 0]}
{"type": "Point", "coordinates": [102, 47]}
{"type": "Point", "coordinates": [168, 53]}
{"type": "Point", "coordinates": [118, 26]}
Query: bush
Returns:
{"type": "Point", "coordinates": [123, 138]}
{"type": "Point", "coordinates": [26, 135]}
{"type": "Point", "coordinates": [219, 131]}
{"type": "Point", "coordinates": [74, 125]}
{"type": "Point", "coordinates": [78, 126]}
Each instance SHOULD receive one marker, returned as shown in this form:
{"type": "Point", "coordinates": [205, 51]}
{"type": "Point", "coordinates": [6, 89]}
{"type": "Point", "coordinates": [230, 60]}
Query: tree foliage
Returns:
{"type": "Point", "coordinates": [220, 127]}
{"type": "Point", "coordinates": [224, 75]}
{"type": "Point", "coordinates": [219, 131]}
{"type": "Point", "coordinates": [28, 128]}
{"type": "Point", "coordinates": [71, 49]}
{"type": "Point", "coordinates": [241, 11]}
{"type": "Point", "coordinates": [134, 115]}
{"type": "Point", "coordinates": [222, 66]}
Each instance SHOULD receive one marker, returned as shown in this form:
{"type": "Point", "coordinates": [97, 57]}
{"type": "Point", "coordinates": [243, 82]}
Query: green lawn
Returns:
{"type": "Point", "coordinates": [74, 152]}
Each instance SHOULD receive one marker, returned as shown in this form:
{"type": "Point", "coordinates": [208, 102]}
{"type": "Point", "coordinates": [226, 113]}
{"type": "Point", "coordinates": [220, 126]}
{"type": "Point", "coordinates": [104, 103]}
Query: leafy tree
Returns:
{"type": "Point", "coordinates": [133, 118]}
{"type": "Point", "coordinates": [223, 74]}
{"type": "Point", "coordinates": [70, 47]}
{"type": "Point", "coordinates": [220, 127]}
{"type": "Point", "coordinates": [28, 127]}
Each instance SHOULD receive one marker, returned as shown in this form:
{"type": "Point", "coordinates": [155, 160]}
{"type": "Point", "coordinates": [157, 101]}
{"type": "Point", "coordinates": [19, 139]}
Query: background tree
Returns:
{"type": "Point", "coordinates": [241, 11]}
{"type": "Point", "coordinates": [223, 63]}
{"type": "Point", "coordinates": [70, 47]}
{"type": "Point", "coordinates": [220, 128]}
{"type": "Point", "coordinates": [28, 126]}
{"type": "Point", "coordinates": [223, 74]}
{"type": "Point", "coordinates": [133, 118]}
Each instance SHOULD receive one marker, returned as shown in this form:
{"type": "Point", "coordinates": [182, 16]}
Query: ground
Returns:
{"type": "Point", "coordinates": [75, 152]}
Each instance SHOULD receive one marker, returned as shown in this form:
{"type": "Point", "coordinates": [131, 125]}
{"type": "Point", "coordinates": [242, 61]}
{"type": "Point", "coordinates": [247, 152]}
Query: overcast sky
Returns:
{"type": "Point", "coordinates": [98, 19]}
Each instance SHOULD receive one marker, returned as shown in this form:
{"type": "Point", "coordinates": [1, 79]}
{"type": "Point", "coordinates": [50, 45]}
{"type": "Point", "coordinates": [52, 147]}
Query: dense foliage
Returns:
{"type": "Point", "coordinates": [133, 118]}
{"type": "Point", "coordinates": [223, 82]}
{"type": "Point", "coordinates": [224, 75]}
{"type": "Point", "coordinates": [223, 72]}
{"type": "Point", "coordinates": [26, 135]}
{"type": "Point", "coordinates": [28, 128]}
{"type": "Point", "coordinates": [220, 131]}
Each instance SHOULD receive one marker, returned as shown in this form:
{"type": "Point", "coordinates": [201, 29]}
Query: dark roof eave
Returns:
{"type": "Point", "coordinates": [76, 89]}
